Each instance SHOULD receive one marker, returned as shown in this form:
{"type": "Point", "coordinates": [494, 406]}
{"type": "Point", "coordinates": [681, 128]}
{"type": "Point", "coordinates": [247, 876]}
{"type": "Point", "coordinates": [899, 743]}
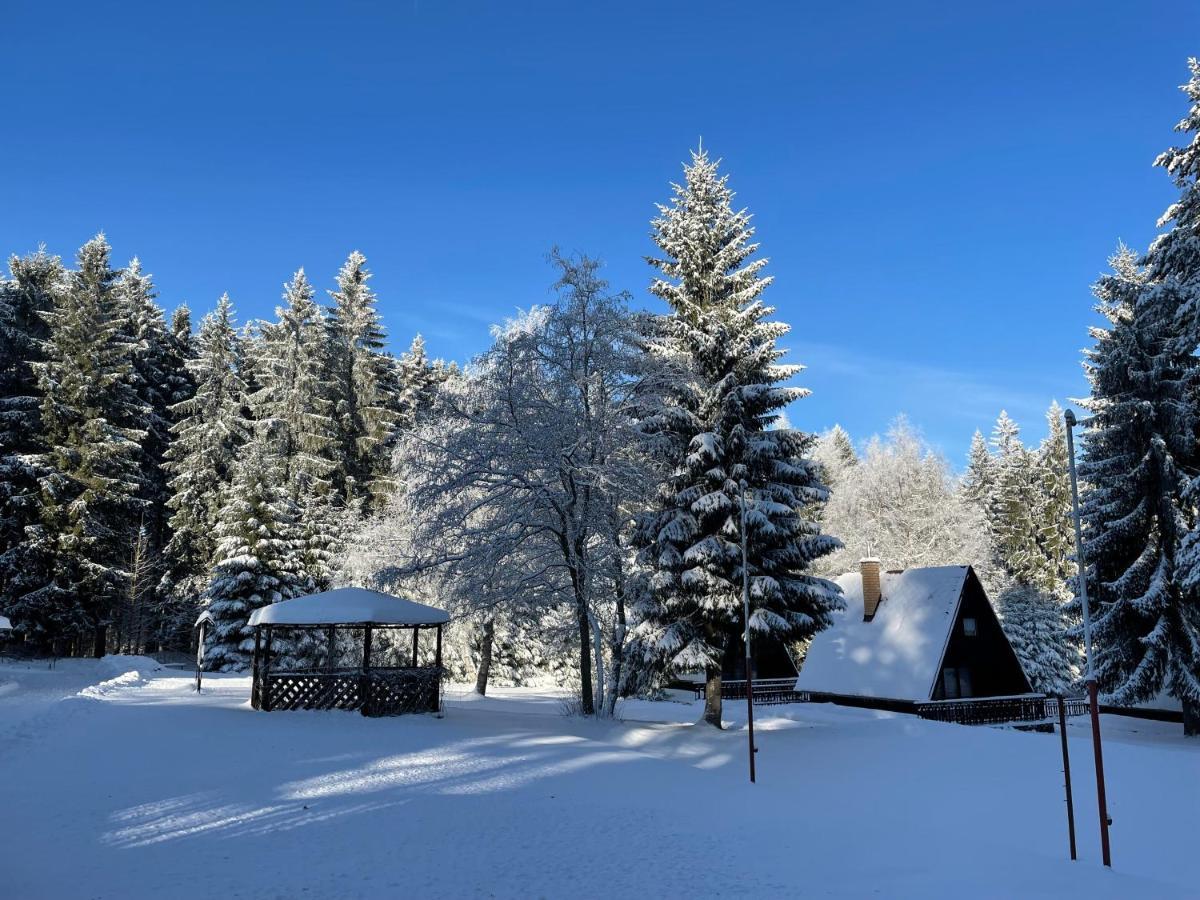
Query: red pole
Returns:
{"type": "Point", "coordinates": [1101, 800]}
{"type": "Point", "coordinates": [1062, 729]}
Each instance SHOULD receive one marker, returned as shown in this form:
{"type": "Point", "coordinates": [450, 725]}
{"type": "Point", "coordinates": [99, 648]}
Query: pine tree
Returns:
{"type": "Point", "coordinates": [292, 405]}
{"type": "Point", "coordinates": [713, 427]}
{"type": "Point", "coordinates": [1056, 535]}
{"type": "Point", "coordinates": [92, 481]}
{"type": "Point", "coordinates": [1013, 500]}
{"type": "Point", "coordinates": [363, 386]}
{"type": "Point", "coordinates": [979, 482]}
{"type": "Point", "coordinates": [418, 382]}
{"type": "Point", "coordinates": [1142, 455]}
{"type": "Point", "coordinates": [145, 331]}
{"type": "Point", "coordinates": [1034, 625]}
{"type": "Point", "coordinates": [209, 428]}
{"type": "Point", "coordinates": [24, 302]}
{"type": "Point", "coordinates": [258, 556]}
{"type": "Point", "coordinates": [835, 453]}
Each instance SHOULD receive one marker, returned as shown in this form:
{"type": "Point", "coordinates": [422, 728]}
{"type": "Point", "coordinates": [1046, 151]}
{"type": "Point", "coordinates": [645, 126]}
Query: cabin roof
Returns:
{"type": "Point", "coordinates": [898, 653]}
{"type": "Point", "coordinates": [348, 606]}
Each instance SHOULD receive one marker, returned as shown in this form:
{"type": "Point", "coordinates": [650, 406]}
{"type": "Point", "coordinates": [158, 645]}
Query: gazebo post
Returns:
{"type": "Point", "coordinates": [255, 698]}
{"type": "Point", "coordinates": [266, 674]}
{"type": "Point", "coordinates": [330, 647]}
{"type": "Point", "coordinates": [437, 672]}
{"type": "Point", "coordinates": [416, 636]}
{"type": "Point", "coordinates": [364, 682]}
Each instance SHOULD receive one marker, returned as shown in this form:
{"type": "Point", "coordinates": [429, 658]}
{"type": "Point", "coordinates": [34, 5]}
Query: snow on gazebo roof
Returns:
{"type": "Point", "coordinates": [5, 625]}
{"type": "Point", "coordinates": [897, 654]}
{"type": "Point", "coordinates": [349, 606]}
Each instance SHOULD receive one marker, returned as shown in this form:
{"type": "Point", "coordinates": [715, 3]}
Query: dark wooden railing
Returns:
{"type": "Point", "coordinates": [1022, 708]}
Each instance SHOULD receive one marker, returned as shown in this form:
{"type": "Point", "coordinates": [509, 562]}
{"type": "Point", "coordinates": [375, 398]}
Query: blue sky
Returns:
{"type": "Point", "coordinates": [937, 185]}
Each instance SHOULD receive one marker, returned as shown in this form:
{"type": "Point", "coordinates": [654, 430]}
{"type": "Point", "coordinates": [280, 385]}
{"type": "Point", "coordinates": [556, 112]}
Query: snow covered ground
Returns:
{"type": "Point", "coordinates": [117, 781]}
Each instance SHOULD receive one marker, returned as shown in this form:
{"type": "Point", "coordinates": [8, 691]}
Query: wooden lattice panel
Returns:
{"type": "Point", "coordinates": [403, 691]}
{"type": "Point", "coordinates": [313, 691]}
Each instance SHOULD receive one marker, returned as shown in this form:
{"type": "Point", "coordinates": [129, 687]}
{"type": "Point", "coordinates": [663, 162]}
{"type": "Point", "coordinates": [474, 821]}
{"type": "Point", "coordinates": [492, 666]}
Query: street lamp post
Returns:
{"type": "Point", "coordinates": [1090, 676]}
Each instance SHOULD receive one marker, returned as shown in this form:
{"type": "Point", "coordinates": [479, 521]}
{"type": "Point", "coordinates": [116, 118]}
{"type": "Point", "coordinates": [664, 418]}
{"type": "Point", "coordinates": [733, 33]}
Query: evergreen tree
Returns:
{"type": "Point", "coordinates": [713, 427]}
{"type": "Point", "coordinates": [292, 405]}
{"type": "Point", "coordinates": [1013, 501]}
{"type": "Point", "coordinates": [92, 481]}
{"type": "Point", "coordinates": [418, 383]}
{"type": "Point", "coordinates": [834, 452]}
{"type": "Point", "coordinates": [1034, 625]}
{"type": "Point", "coordinates": [258, 557]}
{"type": "Point", "coordinates": [1056, 526]}
{"type": "Point", "coordinates": [151, 347]}
{"type": "Point", "coordinates": [209, 428]}
{"type": "Point", "coordinates": [980, 480]}
{"type": "Point", "coordinates": [363, 386]}
{"type": "Point", "coordinates": [24, 302]}
{"type": "Point", "coordinates": [1142, 456]}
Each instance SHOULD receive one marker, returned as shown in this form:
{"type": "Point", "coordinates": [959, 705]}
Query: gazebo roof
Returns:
{"type": "Point", "coordinates": [5, 625]}
{"type": "Point", "coordinates": [349, 606]}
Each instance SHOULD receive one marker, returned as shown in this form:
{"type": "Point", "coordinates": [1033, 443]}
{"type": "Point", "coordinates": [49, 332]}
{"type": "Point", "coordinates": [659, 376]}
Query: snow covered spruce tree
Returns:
{"type": "Point", "coordinates": [418, 381]}
{"type": "Point", "coordinates": [980, 479]}
{"type": "Point", "coordinates": [92, 482]}
{"type": "Point", "coordinates": [154, 372]}
{"type": "Point", "coordinates": [209, 428]}
{"type": "Point", "coordinates": [1014, 500]}
{"type": "Point", "coordinates": [24, 301]}
{"type": "Point", "coordinates": [258, 557]}
{"type": "Point", "coordinates": [363, 386]}
{"type": "Point", "coordinates": [835, 453]}
{"type": "Point", "coordinates": [1142, 457]}
{"type": "Point", "coordinates": [293, 412]}
{"type": "Point", "coordinates": [713, 428]}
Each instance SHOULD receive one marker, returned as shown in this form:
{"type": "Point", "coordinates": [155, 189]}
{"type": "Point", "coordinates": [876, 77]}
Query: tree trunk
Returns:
{"type": "Point", "coordinates": [617, 649]}
{"type": "Point", "coordinates": [101, 638]}
{"type": "Point", "coordinates": [598, 649]}
{"type": "Point", "coordinates": [485, 657]}
{"type": "Point", "coordinates": [585, 657]}
{"type": "Point", "coordinates": [1191, 718]}
{"type": "Point", "coordinates": [712, 696]}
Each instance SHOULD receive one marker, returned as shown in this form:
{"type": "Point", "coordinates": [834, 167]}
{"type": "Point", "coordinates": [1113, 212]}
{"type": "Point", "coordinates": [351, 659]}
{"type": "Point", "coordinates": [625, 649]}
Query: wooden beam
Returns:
{"type": "Point", "coordinates": [416, 637]}
{"type": "Point", "coordinates": [255, 687]}
{"type": "Point", "coordinates": [266, 675]}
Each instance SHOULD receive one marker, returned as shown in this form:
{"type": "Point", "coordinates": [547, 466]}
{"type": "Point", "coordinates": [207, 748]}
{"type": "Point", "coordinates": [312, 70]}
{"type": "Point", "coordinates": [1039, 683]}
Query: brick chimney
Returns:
{"type": "Point", "coordinates": [872, 592]}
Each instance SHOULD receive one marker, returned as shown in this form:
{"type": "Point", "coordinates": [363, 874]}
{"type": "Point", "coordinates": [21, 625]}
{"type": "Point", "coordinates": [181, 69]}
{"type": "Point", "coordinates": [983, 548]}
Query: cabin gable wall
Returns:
{"type": "Point", "coordinates": [982, 664]}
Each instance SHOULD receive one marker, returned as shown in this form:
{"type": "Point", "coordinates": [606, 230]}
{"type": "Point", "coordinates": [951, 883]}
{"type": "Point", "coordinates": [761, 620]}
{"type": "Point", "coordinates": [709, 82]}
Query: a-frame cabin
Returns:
{"type": "Point", "coordinates": [917, 635]}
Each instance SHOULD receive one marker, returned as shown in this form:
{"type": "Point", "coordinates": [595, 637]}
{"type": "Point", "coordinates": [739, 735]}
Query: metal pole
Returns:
{"type": "Point", "coordinates": [200, 656]}
{"type": "Point", "coordinates": [1062, 729]}
{"type": "Point", "coordinates": [746, 637]}
{"type": "Point", "coordinates": [1090, 677]}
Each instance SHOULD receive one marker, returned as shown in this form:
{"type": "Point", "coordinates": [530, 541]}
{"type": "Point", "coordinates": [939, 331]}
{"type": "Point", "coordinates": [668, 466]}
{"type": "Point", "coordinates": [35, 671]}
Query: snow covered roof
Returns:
{"type": "Point", "coordinates": [897, 654]}
{"type": "Point", "coordinates": [345, 606]}
{"type": "Point", "coordinates": [5, 625]}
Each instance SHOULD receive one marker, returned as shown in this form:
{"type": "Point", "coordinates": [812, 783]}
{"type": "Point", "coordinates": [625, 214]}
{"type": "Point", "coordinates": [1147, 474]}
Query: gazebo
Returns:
{"type": "Point", "coordinates": [349, 648]}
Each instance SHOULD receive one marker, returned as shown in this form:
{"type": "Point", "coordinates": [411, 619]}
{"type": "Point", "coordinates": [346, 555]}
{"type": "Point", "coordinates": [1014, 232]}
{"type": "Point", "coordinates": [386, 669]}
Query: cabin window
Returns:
{"type": "Point", "coordinates": [950, 682]}
{"type": "Point", "coordinates": [970, 629]}
{"type": "Point", "coordinates": [964, 682]}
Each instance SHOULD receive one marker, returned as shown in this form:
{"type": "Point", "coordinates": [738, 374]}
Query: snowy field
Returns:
{"type": "Point", "coordinates": [116, 781]}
